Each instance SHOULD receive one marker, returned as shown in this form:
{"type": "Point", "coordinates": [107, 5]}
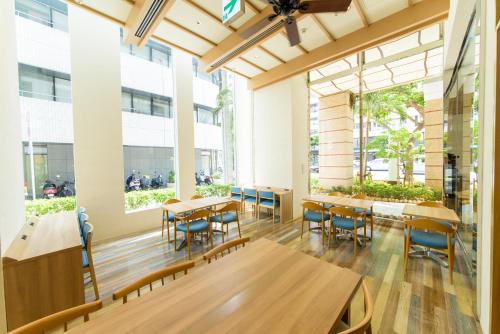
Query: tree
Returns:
{"type": "Point", "coordinates": [314, 140]}
{"type": "Point", "coordinates": [401, 143]}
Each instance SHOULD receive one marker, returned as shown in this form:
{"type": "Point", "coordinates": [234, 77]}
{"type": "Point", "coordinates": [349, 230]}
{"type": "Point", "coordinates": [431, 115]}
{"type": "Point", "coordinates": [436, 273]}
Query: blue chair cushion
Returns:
{"type": "Point", "coordinates": [227, 217]}
{"type": "Point", "coordinates": [81, 220]}
{"type": "Point", "coordinates": [236, 197]}
{"type": "Point", "coordinates": [235, 190]}
{"type": "Point", "coordinates": [429, 239]}
{"type": "Point", "coordinates": [85, 258]}
{"type": "Point", "coordinates": [268, 202]}
{"type": "Point", "coordinates": [315, 216]}
{"type": "Point", "coordinates": [195, 226]}
{"type": "Point", "coordinates": [251, 199]}
{"type": "Point", "coordinates": [85, 231]}
{"type": "Point", "coordinates": [83, 241]}
{"type": "Point", "coordinates": [360, 211]}
{"type": "Point", "coordinates": [171, 216]}
{"type": "Point", "coordinates": [346, 223]}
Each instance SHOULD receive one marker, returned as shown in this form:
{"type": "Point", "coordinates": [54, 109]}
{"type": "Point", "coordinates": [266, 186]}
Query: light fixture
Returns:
{"type": "Point", "coordinates": [198, 22]}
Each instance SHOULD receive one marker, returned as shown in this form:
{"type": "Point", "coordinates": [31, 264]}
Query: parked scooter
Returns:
{"type": "Point", "coordinates": [157, 181]}
{"type": "Point", "coordinates": [207, 179]}
{"type": "Point", "coordinates": [64, 189]}
{"type": "Point", "coordinates": [49, 189]}
{"type": "Point", "coordinates": [132, 182]}
{"type": "Point", "coordinates": [145, 184]}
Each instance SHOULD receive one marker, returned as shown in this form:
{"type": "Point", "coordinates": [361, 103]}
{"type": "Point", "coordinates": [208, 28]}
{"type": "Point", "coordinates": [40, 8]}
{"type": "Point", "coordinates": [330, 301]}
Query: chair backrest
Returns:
{"type": "Point", "coordinates": [335, 193]}
{"type": "Point", "coordinates": [233, 206]}
{"type": "Point", "coordinates": [365, 324]}
{"type": "Point", "coordinates": [196, 215]}
{"type": "Point", "coordinates": [82, 218]}
{"type": "Point", "coordinates": [431, 204]}
{"type": "Point", "coordinates": [269, 195]}
{"type": "Point", "coordinates": [172, 201]}
{"type": "Point", "coordinates": [313, 206]}
{"type": "Point", "coordinates": [219, 250]}
{"type": "Point", "coordinates": [250, 192]}
{"type": "Point", "coordinates": [196, 197]}
{"type": "Point", "coordinates": [359, 196]}
{"type": "Point", "coordinates": [429, 224]}
{"type": "Point", "coordinates": [58, 319]}
{"type": "Point", "coordinates": [343, 212]}
{"type": "Point", "coordinates": [87, 232]}
{"type": "Point", "coordinates": [149, 279]}
{"type": "Point", "coordinates": [236, 190]}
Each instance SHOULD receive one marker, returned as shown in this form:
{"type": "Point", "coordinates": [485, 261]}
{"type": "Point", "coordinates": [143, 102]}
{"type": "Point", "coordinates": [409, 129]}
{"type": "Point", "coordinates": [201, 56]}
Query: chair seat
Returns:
{"type": "Point", "coordinates": [429, 239]}
{"type": "Point", "coordinates": [346, 223]}
{"type": "Point", "coordinates": [194, 226]}
{"type": "Point", "coordinates": [236, 197]}
{"type": "Point", "coordinates": [171, 216]}
{"type": "Point", "coordinates": [227, 217]}
{"type": "Point", "coordinates": [360, 211]}
{"type": "Point", "coordinates": [251, 200]}
{"type": "Point", "coordinates": [269, 203]}
{"type": "Point", "coordinates": [85, 258]}
{"type": "Point", "coordinates": [315, 216]}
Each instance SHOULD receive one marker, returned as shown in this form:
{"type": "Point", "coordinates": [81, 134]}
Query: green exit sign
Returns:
{"type": "Point", "coordinates": [232, 10]}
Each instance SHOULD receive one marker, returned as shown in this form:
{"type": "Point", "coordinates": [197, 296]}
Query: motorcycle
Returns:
{"type": "Point", "coordinates": [65, 189]}
{"type": "Point", "coordinates": [144, 182]}
{"type": "Point", "coordinates": [132, 182]}
{"type": "Point", "coordinates": [49, 189]}
{"type": "Point", "coordinates": [157, 181]}
{"type": "Point", "coordinates": [207, 179]}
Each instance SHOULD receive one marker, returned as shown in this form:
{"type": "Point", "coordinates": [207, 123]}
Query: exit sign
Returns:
{"type": "Point", "coordinates": [232, 10]}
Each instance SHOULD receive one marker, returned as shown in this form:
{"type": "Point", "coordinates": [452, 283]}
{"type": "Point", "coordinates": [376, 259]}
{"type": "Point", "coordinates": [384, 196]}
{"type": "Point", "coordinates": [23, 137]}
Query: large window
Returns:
{"type": "Point", "coordinates": [214, 77]}
{"type": "Point", "coordinates": [206, 115]}
{"type": "Point", "coordinates": [146, 103]}
{"type": "Point", "coordinates": [52, 13]}
{"type": "Point", "coordinates": [44, 84]}
{"type": "Point", "coordinates": [152, 51]}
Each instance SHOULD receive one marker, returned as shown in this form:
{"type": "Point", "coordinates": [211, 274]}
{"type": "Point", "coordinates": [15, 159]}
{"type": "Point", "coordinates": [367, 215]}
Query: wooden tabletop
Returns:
{"type": "Point", "coordinates": [341, 201]}
{"type": "Point", "coordinates": [443, 214]}
{"type": "Point", "coordinates": [275, 190]}
{"type": "Point", "coordinates": [195, 204]}
{"type": "Point", "coordinates": [49, 234]}
{"type": "Point", "coordinates": [262, 288]}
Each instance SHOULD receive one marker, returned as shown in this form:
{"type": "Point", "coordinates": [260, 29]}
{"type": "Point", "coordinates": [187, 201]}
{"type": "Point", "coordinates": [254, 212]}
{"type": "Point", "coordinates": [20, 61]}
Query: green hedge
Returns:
{"type": "Point", "coordinates": [389, 191]}
{"type": "Point", "coordinates": [133, 200]}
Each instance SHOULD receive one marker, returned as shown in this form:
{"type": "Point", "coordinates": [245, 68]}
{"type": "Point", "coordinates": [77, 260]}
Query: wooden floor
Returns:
{"type": "Point", "coordinates": [423, 303]}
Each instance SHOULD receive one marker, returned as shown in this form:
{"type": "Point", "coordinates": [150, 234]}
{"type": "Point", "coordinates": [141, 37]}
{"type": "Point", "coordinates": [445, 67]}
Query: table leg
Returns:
{"type": "Point", "coordinates": [429, 254]}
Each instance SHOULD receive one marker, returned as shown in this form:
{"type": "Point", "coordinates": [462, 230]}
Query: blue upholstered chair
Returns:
{"type": "Point", "coordinates": [225, 215]}
{"type": "Point", "coordinates": [363, 213]}
{"type": "Point", "coordinates": [430, 234]}
{"type": "Point", "coordinates": [333, 194]}
{"type": "Point", "coordinates": [168, 217]}
{"type": "Point", "coordinates": [237, 195]}
{"type": "Point", "coordinates": [82, 218]}
{"type": "Point", "coordinates": [432, 204]}
{"type": "Point", "coordinates": [266, 199]}
{"type": "Point", "coordinates": [196, 222]}
{"type": "Point", "coordinates": [348, 220]}
{"type": "Point", "coordinates": [87, 260]}
{"type": "Point", "coordinates": [250, 197]}
{"type": "Point", "coordinates": [313, 212]}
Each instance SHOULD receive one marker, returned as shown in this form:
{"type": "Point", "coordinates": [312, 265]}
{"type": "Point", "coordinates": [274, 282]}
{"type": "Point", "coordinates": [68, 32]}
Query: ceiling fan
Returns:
{"type": "Point", "coordinates": [286, 9]}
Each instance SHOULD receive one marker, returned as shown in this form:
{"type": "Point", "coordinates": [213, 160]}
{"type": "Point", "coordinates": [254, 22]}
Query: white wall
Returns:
{"type": "Point", "coordinates": [146, 130]}
{"type": "Point", "coordinates": [208, 136]}
{"type": "Point", "coordinates": [243, 130]}
{"type": "Point", "coordinates": [140, 74]}
{"type": "Point", "coordinates": [42, 46]}
{"type": "Point", "coordinates": [281, 137]}
{"type": "Point", "coordinates": [204, 92]}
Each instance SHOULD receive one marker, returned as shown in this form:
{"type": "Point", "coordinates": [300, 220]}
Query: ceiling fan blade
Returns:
{"type": "Point", "coordinates": [257, 26]}
{"type": "Point", "coordinates": [324, 6]}
{"type": "Point", "coordinates": [292, 31]}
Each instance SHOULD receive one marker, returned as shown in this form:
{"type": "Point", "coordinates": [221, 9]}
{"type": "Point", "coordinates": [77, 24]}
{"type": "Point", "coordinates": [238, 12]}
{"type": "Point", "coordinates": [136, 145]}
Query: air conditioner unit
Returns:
{"type": "Point", "coordinates": [143, 19]}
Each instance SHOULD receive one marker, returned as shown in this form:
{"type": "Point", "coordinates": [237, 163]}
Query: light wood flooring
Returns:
{"type": "Point", "coordinates": [423, 303]}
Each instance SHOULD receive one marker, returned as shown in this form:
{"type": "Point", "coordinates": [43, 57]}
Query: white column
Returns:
{"type": "Point", "coordinates": [12, 197]}
{"type": "Point", "coordinates": [184, 134]}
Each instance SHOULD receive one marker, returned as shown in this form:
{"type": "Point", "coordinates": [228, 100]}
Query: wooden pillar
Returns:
{"type": "Point", "coordinates": [336, 140]}
{"type": "Point", "coordinates": [433, 143]}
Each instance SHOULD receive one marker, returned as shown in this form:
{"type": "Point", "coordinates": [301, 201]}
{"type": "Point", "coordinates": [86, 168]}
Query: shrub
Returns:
{"type": "Point", "coordinates": [213, 190]}
{"type": "Point", "coordinates": [45, 206]}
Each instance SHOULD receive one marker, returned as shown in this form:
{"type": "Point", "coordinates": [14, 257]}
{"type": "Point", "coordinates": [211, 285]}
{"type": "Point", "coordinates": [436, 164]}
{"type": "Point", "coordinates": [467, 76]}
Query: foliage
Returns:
{"type": "Point", "coordinates": [143, 198]}
{"type": "Point", "coordinates": [224, 99]}
{"type": "Point", "coordinates": [391, 191]}
{"type": "Point", "coordinates": [314, 141]}
{"type": "Point", "coordinates": [45, 206]}
{"type": "Point", "coordinates": [213, 190]}
{"type": "Point", "coordinates": [171, 177]}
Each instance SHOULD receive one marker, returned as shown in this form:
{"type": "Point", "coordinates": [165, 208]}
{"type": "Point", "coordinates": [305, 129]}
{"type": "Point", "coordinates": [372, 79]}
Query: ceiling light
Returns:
{"type": "Point", "coordinates": [198, 22]}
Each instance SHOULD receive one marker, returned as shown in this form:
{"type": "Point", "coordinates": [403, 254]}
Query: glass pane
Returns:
{"type": "Point", "coordinates": [143, 52]}
{"type": "Point", "coordinates": [205, 116]}
{"type": "Point", "coordinates": [33, 82]}
{"type": "Point", "coordinates": [35, 11]}
{"type": "Point", "coordinates": [160, 57]}
{"type": "Point", "coordinates": [126, 101]}
{"type": "Point", "coordinates": [63, 90]}
{"type": "Point", "coordinates": [161, 106]}
{"type": "Point", "coordinates": [59, 20]}
{"type": "Point", "coordinates": [142, 103]}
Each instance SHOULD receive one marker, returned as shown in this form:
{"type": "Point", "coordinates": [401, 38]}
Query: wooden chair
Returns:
{"type": "Point", "coordinates": [430, 234]}
{"type": "Point", "coordinates": [250, 196]}
{"type": "Point", "coordinates": [336, 193]}
{"type": "Point", "coordinates": [226, 215]}
{"type": "Point", "coordinates": [365, 214]}
{"type": "Point", "coordinates": [196, 197]}
{"type": "Point", "coordinates": [168, 217]}
{"type": "Point", "coordinates": [153, 277]}
{"type": "Point", "coordinates": [58, 319]}
{"type": "Point", "coordinates": [348, 220]}
{"type": "Point", "coordinates": [365, 326]}
{"type": "Point", "coordinates": [196, 222]}
{"type": "Point", "coordinates": [237, 196]}
{"type": "Point", "coordinates": [313, 212]}
{"type": "Point", "coordinates": [267, 199]}
{"type": "Point", "coordinates": [87, 259]}
{"type": "Point", "coordinates": [219, 250]}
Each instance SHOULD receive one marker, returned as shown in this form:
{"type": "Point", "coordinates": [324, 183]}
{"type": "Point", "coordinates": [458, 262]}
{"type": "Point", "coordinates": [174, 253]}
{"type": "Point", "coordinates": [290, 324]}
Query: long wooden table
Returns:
{"type": "Point", "coordinates": [42, 269]}
{"type": "Point", "coordinates": [441, 214]}
{"type": "Point", "coordinates": [195, 204]}
{"type": "Point", "coordinates": [262, 288]}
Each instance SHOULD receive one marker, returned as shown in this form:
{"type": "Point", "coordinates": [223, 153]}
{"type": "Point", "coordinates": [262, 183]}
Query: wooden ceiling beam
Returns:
{"type": "Point", "coordinates": [251, 63]}
{"type": "Point", "coordinates": [408, 20]}
{"type": "Point", "coordinates": [328, 34]}
{"type": "Point", "coordinates": [361, 13]}
{"type": "Point", "coordinates": [135, 17]}
{"type": "Point", "coordinates": [189, 31]}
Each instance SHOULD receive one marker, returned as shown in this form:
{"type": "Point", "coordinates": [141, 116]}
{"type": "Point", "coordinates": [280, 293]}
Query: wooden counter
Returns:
{"type": "Point", "coordinates": [42, 269]}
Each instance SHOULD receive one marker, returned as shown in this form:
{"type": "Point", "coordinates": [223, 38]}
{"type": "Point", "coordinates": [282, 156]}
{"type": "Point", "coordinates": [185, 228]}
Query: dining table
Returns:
{"type": "Point", "coordinates": [264, 287]}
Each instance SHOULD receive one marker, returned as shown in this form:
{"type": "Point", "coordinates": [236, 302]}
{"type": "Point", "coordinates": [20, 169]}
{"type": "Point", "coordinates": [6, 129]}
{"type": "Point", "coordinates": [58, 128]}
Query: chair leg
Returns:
{"type": "Point", "coordinates": [211, 238]}
{"type": "Point", "coordinates": [355, 234]}
{"type": "Point", "coordinates": [451, 255]}
{"type": "Point", "coordinates": [329, 235]}
{"type": "Point", "coordinates": [371, 226]}
{"type": "Point", "coordinates": [364, 235]}
{"type": "Point", "coordinates": [239, 229]}
{"type": "Point", "coordinates": [222, 228]}
{"type": "Point", "coordinates": [407, 249]}
{"type": "Point", "coordinates": [274, 211]}
{"type": "Point", "coordinates": [188, 237]}
{"type": "Point", "coordinates": [162, 223]}
{"type": "Point", "coordinates": [258, 212]}
{"type": "Point", "coordinates": [94, 281]}
{"type": "Point", "coordinates": [302, 232]}
{"type": "Point", "coordinates": [323, 232]}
